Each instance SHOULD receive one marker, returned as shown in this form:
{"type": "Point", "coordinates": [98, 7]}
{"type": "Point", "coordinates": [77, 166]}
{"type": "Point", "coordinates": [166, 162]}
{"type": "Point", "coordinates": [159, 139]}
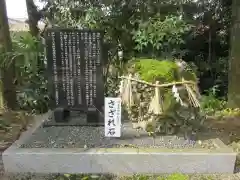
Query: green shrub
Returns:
{"type": "Point", "coordinates": [210, 103]}
{"type": "Point", "coordinates": [161, 37]}
{"type": "Point", "coordinates": [177, 176]}
{"type": "Point", "coordinates": [215, 106]}
{"type": "Point", "coordinates": [32, 92]}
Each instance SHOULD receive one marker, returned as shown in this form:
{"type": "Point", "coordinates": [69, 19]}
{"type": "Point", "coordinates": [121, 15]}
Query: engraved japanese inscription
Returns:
{"type": "Point", "coordinates": [92, 59]}
{"type": "Point", "coordinates": [74, 59]}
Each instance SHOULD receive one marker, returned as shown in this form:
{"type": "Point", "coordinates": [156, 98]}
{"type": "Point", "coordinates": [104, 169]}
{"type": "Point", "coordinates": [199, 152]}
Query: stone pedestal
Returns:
{"type": "Point", "coordinates": [76, 149]}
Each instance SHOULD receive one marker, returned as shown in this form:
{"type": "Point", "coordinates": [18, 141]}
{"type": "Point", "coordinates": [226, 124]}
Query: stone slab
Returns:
{"type": "Point", "coordinates": [121, 161]}
{"type": "Point", "coordinates": [104, 159]}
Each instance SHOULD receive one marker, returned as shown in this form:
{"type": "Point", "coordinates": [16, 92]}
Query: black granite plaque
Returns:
{"type": "Point", "coordinates": [74, 60]}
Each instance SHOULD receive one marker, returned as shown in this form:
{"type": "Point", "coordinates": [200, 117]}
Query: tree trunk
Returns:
{"type": "Point", "coordinates": [8, 69]}
{"type": "Point", "coordinates": [33, 17]}
{"type": "Point", "coordinates": [234, 61]}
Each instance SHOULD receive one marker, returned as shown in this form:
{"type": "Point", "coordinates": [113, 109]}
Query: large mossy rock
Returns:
{"type": "Point", "coordinates": [165, 71]}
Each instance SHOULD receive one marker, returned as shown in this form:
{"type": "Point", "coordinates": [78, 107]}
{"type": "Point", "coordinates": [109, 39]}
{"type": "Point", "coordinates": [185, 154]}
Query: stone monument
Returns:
{"type": "Point", "coordinates": [74, 64]}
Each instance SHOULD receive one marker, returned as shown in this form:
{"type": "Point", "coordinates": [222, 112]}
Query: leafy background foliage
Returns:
{"type": "Point", "coordinates": [197, 32]}
{"type": "Point", "coordinates": [32, 94]}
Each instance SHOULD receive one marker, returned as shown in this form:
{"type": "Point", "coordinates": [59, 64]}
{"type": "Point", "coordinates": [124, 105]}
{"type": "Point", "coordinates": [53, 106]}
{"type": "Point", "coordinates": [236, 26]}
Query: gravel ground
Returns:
{"type": "Point", "coordinates": [93, 137]}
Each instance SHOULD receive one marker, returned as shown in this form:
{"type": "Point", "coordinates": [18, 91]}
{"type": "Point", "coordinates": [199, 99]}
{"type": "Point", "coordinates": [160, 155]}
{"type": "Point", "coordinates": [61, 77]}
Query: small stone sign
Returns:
{"type": "Point", "coordinates": [112, 117]}
{"type": "Point", "coordinates": [74, 60]}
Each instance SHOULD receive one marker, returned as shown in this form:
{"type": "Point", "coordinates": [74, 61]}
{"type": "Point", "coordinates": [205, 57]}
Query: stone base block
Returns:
{"type": "Point", "coordinates": [114, 160]}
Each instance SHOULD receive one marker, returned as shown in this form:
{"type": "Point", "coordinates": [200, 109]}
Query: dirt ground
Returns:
{"type": "Point", "coordinates": [16, 123]}
{"type": "Point", "coordinates": [228, 130]}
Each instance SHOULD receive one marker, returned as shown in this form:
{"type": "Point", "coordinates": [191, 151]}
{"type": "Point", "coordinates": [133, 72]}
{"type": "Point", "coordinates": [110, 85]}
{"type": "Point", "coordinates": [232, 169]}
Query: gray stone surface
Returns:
{"type": "Point", "coordinates": [99, 158]}
{"type": "Point", "coordinates": [119, 162]}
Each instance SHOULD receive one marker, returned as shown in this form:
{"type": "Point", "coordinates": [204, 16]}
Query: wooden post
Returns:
{"type": "Point", "coordinates": [130, 89]}
{"type": "Point", "coordinates": [157, 94]}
